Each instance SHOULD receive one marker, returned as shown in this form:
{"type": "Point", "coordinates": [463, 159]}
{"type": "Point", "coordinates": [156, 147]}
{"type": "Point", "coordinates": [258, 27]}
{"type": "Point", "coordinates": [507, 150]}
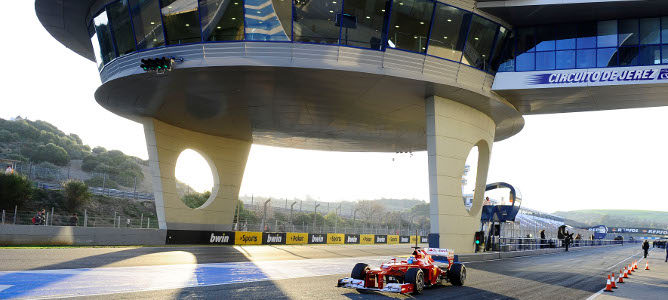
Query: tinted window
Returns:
{"type": "Point", "coordinates": [649, 55]}
{"type": "Point", "coordinates": [119, 15]}
{"type": "Point", "coordinates": [664, 30]}
{"type": "Point", "coordinates": [587, 35]}
{"type": "Point", "coordinates": [447, 34]}
{"type": "Point", "coordinates": [545, 60]}
{"type": "Point", "coordinates": [500, 48]}
{"type": "Point", "coordinates": [607, 34]}
{"type": "Point", "coordinates": [664, 53]}
{"type": "Point", "coordinates": [649, 31]}
{"type": "Point", "coordinates": [479, 43]}
{"type": "Point", "coordinates": [526, 62]}
{"type": "Point", "coordinates": [628, 32]}
{"type": "Point", "coordinates": [409, 24]}
{"type": "Point", "coordinates": [526, 40]}
{"type": "Point", "coordinates": [566, 35]}
{"type": "Point", "coordinates": [628, 56]}
{"type": "Point", "coordinates": [222, 20]}
{"type": "Point", "coordinates": [565, 59]}
{"type": "Point", "coordinates": [316, 21]}
{"type": "Point", "coordinates": [507, 63]}
{"type": "Point", "coordinates": [586, 58]}
{"type": "Point", "coordinates": [147, 24]}
{"type": "Point", "coordinates": [545, 38]}
{"type": "Point", "coordinates": [362, 23]}
{"type": "Point", "coordinates": [269, 20]}
{"type": "Point", "coordinates": [606, 57]}
{"type": "Point", "coordinates": [181, 21]}
{"type": "Point", "coordinates": [104, 52]}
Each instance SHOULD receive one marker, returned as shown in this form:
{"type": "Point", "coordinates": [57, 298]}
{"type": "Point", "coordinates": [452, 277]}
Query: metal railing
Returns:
{"type": "Point", "coordinates": [507, 244]}
{"type": "Point", "coordinates": [55, 218]}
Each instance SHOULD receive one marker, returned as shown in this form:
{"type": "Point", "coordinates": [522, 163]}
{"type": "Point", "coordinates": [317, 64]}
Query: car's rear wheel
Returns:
{"type": "Point", "coordinates": [415, 277]}
{"type": "Point", "coordinates": [359, 271]}
{"type": "Point", "coordinates": [457, 274]}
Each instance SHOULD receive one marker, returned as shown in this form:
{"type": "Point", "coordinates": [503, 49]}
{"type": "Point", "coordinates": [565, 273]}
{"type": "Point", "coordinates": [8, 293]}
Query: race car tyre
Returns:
{"type": "Point", "coordinates": [359, 271]}
{"type": "Point", "coordinates": [457, 274]}
{"type": "Point", "coordinates": [415, 277]}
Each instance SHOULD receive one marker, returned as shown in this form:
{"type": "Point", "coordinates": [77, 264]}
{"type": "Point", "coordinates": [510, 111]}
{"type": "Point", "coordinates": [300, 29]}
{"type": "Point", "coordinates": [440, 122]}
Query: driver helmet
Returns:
{"type": "Point", "coordinates": [411, 260]}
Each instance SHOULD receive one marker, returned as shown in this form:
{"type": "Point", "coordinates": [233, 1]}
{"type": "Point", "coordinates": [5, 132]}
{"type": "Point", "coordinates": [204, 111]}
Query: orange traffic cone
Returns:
{"type": "Point", "coordinates": [630, 268]}
{"type": "Point", "coordinates": [612, 280]}
{"type": "Point", "coordinates": [626, 273]}
{"type": "Point", "coordinates": [608, 286]}
{"type": "Point", "coordinates": [635, 265]}
{"type": "Point", "coordinates": [621, 275]}
{"type": "Point", "coordinates": [647, 265]}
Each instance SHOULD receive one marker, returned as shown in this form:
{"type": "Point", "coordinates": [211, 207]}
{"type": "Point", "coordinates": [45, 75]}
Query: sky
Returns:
{"type": "Point", "coordinates": [593, 160]}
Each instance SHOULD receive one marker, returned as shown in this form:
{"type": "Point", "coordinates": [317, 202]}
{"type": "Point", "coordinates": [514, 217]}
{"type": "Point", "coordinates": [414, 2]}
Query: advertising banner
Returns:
{"type": "Point", "coordinates": [393, 239]}
{"type": "Point", "coordinates": [317, 238]}
{"type": "Point", "coordinates": [380, 239]}
{"type": "Point", "coordinates": [600, 231]}
{"type": "Point", "coordinates": [404, 239]}
{"type": "Point", "coordinates": [414, 239]}
{"type": "Point", "coordinates": [424, 240]}
{"type": "Point", "coordinates": [248, 238]}
{"type": "Point", "coordinates": [200, 237]}
{"type": "Point", "coordinates": [580, 77]}
{"type": "Point", "coordinates": [335, 238]}
{"type": "Point", "coordinates": [273, 238]}
{"type": "Point", "coordinates": [352, 238]}
{"type": "Point", "coordinates": [296, 238]}
{"type": "Point", "coordinates": [638, 230]}
{"type": "Point", "coordinates": [366, 239]}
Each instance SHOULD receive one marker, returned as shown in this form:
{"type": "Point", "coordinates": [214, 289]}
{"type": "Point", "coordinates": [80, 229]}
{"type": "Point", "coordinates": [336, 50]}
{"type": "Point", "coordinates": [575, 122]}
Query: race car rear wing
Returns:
{"type": "Point", "coordinates": [439, 254]}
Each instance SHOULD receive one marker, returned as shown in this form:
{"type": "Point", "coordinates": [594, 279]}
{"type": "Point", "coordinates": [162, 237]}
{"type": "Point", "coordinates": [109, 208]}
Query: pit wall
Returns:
{"type": "Point", "coordinates": [91, 236]}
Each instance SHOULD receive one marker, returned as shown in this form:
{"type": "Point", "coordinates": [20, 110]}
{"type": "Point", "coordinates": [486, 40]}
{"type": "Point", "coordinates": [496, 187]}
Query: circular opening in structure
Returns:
{"type": "Point", "coordinates": [469, 176]}
{"type": "Point", "coordinates": [194, 179]}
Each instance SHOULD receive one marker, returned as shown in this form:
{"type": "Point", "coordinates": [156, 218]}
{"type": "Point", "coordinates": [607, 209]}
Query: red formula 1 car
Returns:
{"type": "Point", "coordinates": [411, 275]}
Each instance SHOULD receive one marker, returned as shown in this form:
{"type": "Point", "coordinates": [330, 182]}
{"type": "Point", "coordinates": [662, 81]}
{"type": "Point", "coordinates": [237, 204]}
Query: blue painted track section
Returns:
{"type": "Point", "coordinates": [112, 280]}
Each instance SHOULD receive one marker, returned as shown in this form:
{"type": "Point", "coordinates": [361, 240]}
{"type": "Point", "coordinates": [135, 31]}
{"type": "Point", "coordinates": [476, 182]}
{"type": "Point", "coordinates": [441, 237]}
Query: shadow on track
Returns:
{"type": "Point", "coordinates": [26, 284]}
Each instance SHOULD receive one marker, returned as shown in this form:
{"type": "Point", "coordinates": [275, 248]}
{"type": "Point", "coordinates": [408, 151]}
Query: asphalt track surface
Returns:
{"type": "Point", "coordinates": [284, 272]}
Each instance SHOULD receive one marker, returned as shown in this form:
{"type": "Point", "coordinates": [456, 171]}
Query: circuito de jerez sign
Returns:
{"type": "Point", "coordinates": [580, 77]}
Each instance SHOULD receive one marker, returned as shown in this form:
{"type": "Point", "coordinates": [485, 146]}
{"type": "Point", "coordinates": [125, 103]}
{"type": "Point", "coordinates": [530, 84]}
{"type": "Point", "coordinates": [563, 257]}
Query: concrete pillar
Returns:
{"type": "Point", "coordinates": [453, 129]}
{"type": "Point", "coordinates": [227, 159]}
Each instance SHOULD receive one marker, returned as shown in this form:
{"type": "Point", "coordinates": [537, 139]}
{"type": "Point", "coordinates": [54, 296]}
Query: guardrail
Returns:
{"type": "Point", "coordinates": [114, 193]}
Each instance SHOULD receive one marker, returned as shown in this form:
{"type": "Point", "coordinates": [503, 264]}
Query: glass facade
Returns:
{"type": "Point", "coordinates": [420, 26]}
{"type": "Point", "coordinates": [181, 21]}
{"type": "Point", "coordinates": [607, 43]}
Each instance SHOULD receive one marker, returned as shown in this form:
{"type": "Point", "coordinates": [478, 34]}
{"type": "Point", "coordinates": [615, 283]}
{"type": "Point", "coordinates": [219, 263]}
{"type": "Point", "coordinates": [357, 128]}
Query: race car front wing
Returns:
{"type": "Point", "coordinates": [352, 283]}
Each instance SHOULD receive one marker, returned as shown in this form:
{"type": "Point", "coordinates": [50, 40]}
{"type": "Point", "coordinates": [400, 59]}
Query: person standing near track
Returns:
{"type": "Point", "coordinates": [665, 246]}
{"type": "Point", "coordinates": [645, 247]}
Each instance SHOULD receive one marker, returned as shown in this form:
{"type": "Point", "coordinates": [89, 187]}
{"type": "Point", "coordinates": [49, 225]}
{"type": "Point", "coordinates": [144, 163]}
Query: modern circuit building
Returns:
{"type": "Point", "coordinates": [358, 75]}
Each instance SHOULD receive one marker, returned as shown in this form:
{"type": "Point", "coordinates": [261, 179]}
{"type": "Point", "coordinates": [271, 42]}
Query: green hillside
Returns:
{"type": "Point", "coordinates": [613, 217]}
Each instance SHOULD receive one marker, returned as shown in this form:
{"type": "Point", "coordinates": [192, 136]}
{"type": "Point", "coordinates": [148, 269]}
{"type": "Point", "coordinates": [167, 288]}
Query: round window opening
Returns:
{"type": "Point", "coordinates": [469, 176]}
{"type": "Point", "coordinates": [194, 179]}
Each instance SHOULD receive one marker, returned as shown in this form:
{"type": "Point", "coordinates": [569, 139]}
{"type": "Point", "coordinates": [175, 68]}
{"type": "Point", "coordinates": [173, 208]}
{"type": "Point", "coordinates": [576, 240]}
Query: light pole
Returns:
{"type": "Point", "coordinates": [291, 209]}
{"type": "Point", "coordinates": [336, 221]}
{"type": "Point", "coordinates": [264, 213]}
{"type": "Point", "coordinates": [355, 215]}
{"type": "Point", "coordinates": [315, 211]}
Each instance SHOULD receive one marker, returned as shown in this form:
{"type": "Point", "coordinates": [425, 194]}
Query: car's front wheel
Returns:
{"type": "Point", "coordinates": [359, 271]}
{"type": "Point", "coordinates": [457, 274]}
{"type": "Point", "coordinates": [415, 277]}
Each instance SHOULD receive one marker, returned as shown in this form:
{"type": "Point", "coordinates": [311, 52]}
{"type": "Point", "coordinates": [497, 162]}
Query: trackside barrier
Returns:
{"type": "Point", "coordinates": [335, 238]}
{"type": "Point", "coordinates": [294, 238]}
{"type": "Point", "coordinates": [282, 238]}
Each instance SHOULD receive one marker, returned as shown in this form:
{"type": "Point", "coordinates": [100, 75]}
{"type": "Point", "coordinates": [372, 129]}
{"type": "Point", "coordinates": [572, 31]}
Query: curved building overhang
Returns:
{"type": "Point", "coordinates": [301, 95]}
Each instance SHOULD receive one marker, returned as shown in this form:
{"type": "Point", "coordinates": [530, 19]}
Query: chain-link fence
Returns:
{"type": "Point", "coordinates": [283, 226]}
{"type": "Point", "coordinates": [86, 219]}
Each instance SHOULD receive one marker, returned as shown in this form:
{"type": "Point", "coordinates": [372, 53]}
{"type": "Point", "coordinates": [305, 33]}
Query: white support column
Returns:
{"type": "Point", "coordinates": [453, 129]}
{"type": "Point", "coordinates": [227, 159]}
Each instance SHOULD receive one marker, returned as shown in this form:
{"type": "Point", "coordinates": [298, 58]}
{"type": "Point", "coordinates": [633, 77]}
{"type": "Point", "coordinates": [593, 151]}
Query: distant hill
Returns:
{"type": "Point", "coordinates": [613, 217]}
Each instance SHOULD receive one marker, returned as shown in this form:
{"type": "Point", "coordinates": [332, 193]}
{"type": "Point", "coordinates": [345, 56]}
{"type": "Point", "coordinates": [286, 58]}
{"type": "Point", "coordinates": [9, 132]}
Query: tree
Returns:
{"type": "Point", "coordinates": [195, 200]}
{"type": "Point", "coordinates": [15, 190]}
{"type": "Point", "coordinates": [51, 153]}
{"type": "Point", "coordinates": [369, 209]}
{"type": "Point", "coordinates": [76, 195]}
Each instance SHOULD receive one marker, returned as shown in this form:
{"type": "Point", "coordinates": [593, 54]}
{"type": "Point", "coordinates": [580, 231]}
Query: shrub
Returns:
{"type": "Point", "coordinates": [52, 153]}
{"type": "Point", "coordinates": [195, 200]}
{"type": "Point", "coordinates": [15, 190]}
{"type": "Point", "coordinates": [76, 195]}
